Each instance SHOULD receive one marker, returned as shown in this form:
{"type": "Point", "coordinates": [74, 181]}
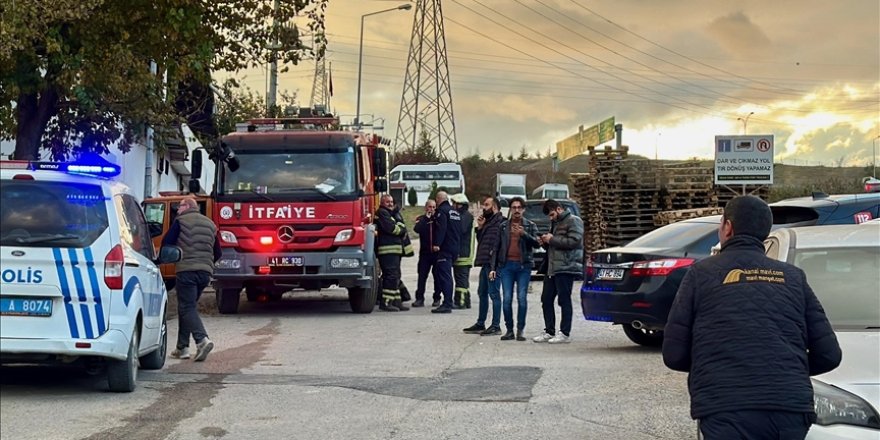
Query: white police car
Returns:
{"type": "Point", "coordinates": [78, 280]}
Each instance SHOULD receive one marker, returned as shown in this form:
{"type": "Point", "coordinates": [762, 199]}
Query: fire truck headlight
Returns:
{"type": "Point", "coordinates": [344, 235]}
{"type": "Point", "coordinates": [345, 263]}
{"type": "Point", "coordinates": [229, 264]}
{"type": "Point", "coordinates": [228, 237]}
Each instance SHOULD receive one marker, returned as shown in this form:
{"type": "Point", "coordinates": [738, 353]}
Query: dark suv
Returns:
{"type": "Point", "coordinates": [535, 212]}
{"type": "Point", "coordinates": [634, 285]}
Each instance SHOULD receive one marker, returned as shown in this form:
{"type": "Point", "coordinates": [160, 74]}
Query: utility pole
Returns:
{"type": "Point", "coordinates": [273, 69]}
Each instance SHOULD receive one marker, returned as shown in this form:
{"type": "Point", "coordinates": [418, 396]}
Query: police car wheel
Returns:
{"type": "Point", "coordinates": [647, 338]}
{"type": "Point", "coordinates": [156, 359]}
{"type": "Point", "coordinates": [122, 375]}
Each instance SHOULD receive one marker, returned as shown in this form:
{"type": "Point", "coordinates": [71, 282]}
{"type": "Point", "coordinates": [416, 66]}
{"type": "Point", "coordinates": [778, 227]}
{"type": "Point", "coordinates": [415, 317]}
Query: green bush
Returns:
{"type": "Point", "coordinates": [411, 197]}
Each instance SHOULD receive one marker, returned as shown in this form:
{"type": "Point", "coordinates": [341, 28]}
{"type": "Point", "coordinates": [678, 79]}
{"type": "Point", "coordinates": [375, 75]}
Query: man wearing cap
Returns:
{"type": "Point", "coordinates": [461, 267]}
{"type": "Point", "coordinates": [750, 332]}
{"type": "Point", "coordinates": [446, 237]}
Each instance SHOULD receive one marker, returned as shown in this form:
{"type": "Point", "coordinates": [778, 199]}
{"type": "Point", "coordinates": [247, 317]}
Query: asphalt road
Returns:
{"type": "Point", "coordinates": [306, 368]}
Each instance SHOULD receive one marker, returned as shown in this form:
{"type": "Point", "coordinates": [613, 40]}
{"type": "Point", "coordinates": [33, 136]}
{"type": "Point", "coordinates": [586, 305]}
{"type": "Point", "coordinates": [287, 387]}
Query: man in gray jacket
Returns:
{"type": "Point", "coordinates": [565, 255]}
{"type": "Point", "coordinates": [196, 235]}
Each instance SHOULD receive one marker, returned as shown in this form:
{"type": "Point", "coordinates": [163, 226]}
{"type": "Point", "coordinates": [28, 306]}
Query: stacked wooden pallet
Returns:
{"type": "Point", "coordinates": [687, 185]}
{"type": "Point", "coordinates": [629, 198]}
{"type": "Point", "coordinates": [585, 191]}
{"type": "Point", "coordinates": [667, 217]}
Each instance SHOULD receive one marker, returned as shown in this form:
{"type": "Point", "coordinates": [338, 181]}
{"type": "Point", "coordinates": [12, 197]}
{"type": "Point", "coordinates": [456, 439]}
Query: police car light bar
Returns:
{"type": "Point", "coordinates": [90, 165]}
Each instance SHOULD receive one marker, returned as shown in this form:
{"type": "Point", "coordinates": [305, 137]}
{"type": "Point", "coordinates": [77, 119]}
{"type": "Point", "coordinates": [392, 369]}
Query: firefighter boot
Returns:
{"type": "Point", "coordinates": [399, 304]}
{"type": "Point", "coordinates": [456, 301]}
{"type": "Point", "coordinates": [388, 306]}
{"type": "Point", "coordinates": [467, 299]}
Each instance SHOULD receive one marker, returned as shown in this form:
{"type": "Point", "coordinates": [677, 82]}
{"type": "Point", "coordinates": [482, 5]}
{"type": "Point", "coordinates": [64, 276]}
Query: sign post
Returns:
{"type": "Point", "coordinates": [745, 160]}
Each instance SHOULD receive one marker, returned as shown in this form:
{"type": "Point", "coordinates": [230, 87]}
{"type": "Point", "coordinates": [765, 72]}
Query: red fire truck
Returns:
{"type": "Point", "coordinates": [293, 202]}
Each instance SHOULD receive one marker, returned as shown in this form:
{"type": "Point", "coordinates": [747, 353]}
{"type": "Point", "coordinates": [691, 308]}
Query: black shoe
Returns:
{"type": "Point", "coordinates": [436, 303]}
{"type": "Point", "coordinates": [442, 309]}
{"type": "Point", "coordinates": [475, 329]}
{"type": "Point", "coordinates": [519, 336]}
{"type": "Point", "coordinates": [508, 336]}
{"type": "Point", "coordinates": [467, 306]}
{"type": "Point", "coordinates": [418, 303]}
{"type": "Point", "coordinates": [491, 331]}
{"type": "Point", "coordinates": [388, 307]}
{"type": "Point", "coordinates": [457, 307]}
{"type": "Point", "coordinates": [399, 304]}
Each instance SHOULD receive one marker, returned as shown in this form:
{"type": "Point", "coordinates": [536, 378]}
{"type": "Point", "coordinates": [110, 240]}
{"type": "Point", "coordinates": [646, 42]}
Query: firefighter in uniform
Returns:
{"type": "Point", "coordinates": [390, 248]}
{"type": "Point", "coordinates": [461, 267]}
{"type": "Point", "coordinates": [447, 233]}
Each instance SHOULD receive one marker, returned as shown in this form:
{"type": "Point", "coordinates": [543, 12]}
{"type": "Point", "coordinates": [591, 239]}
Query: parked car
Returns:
{"type": "Point", "coordinates": [535, 212]}
{"type": "Point", "coordinates": [634, 285]}
{"type": "Point", "coordinates": [842, 264]}
{"type": "Point", "coordinates": [80, 281]}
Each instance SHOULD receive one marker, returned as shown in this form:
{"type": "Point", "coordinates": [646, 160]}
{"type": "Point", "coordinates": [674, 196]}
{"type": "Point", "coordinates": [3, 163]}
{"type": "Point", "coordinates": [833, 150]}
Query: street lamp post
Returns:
{"type": "Point", "coordinates": [874, 157]}
{"type": "Point", "coordinates": [403, 7]}
{"type": "Point", "coordinates": [745, 121]}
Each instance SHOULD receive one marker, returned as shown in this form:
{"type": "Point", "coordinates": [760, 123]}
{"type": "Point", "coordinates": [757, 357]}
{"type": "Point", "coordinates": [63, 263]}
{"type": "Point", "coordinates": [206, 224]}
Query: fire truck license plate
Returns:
{"type": "Point", "coordinates": [285, 261]}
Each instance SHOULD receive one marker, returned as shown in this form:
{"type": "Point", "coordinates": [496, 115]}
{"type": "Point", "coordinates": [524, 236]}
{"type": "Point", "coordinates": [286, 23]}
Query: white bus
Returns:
{"type": "Point", "coordinates": [421, 176]}
{"type": "Point", "coordinates": [551, 191]}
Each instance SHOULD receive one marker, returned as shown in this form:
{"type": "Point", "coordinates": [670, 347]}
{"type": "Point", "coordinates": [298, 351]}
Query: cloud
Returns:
{"type": "Point", "coordinates": [739, 35]}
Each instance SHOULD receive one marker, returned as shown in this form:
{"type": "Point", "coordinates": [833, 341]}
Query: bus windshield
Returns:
{"type": "Point", "coordinates": [313, 174]}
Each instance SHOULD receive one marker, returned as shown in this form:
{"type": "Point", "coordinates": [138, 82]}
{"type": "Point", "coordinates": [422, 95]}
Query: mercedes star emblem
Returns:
{"type": "Point", "coordinates": [285, 234]}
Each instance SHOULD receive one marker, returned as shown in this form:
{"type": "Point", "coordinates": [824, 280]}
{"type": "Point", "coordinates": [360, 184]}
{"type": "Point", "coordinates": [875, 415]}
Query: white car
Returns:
{"type": "Point", "coordinates": [78, 280]}
{"type": "Point", "coordinates": [842, 264]}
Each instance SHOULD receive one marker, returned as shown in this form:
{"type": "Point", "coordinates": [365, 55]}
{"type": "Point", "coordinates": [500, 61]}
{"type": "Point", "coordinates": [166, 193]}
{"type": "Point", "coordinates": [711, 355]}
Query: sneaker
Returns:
{"type": "Point", "coordinates": [543, 337]}
{"type": "Point", "coordinates": [442, 309]}
{"type": "Point", "coordinates": [180, 353]}
{"type": "Point", "coordinates": [493, 330]}
{"type": "Point", "coordinates": [508, 336]}
{"type": "Point", "coordinates": [476, 328]}
{"type": "Point", "coordinates": [519, 336]}
{"type": "Point", "coordinates": [418, 303]}
{"type": "Point", "coordinates": [561, 338]}
{"type": "Point", "coordinates": [436, 303]}
{"type": "Point", "coordinates": [203, 349]}
{"type": "Point", "coordinates": [399, 304]}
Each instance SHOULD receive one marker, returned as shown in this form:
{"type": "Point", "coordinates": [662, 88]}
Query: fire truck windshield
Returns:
{"type": "Point", "coordinates": [301, 174]}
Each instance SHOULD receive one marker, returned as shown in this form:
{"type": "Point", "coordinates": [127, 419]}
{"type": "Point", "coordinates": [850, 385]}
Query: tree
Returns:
{"type": "Point", "coordinates": [523, 154]}
{"type": "Point", "coordinates": [92, 72]}
{"type": "Point", "coordinates": [411, 197]}
{"type": "Point", "coordinates": [499, 158]}
{"type": "Point", "coordinates": [510, 157]}
{"type": "Point", "coordinates": [241, 103]}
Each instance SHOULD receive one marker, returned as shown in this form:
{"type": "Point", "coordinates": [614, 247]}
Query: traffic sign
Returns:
{"type": "Point", "coordinates": [744, 160]}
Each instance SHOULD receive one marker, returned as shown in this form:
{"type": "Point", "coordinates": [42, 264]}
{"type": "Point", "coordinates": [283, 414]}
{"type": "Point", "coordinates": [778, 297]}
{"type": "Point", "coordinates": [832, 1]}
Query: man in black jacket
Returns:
{"type": "Point", "coordinates": [425, 228]}
{"type": "Point", "coordinates": [389, 249]}
{"type": "Point", "coordinates": [488, 237]}
{"type": "Point", "coordinates": [461, 267]}
{"type": "Point", "coordinates": [446, 239]}
{"type": "Point", "coordinates": [750, 332]}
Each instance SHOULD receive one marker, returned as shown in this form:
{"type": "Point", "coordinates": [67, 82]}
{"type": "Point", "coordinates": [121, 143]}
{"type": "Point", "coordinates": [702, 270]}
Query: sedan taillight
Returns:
{"type": "Point", "coordinates": [659, 268]}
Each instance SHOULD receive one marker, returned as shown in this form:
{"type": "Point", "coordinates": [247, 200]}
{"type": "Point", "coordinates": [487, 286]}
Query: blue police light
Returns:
{"type": "Point", "coordinates": [87, 164]}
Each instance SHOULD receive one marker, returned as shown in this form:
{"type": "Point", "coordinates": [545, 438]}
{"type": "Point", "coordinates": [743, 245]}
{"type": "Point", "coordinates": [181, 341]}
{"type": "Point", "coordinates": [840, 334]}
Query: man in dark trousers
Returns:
{"type": "Point", "coordinates": [446, 240]}
{"type": "Point", "coordinates": [425, 228]}
{"type": "Point", "coordinates": [518, 239]}
{"type": "Point", "coordinates": [196, 236]}
{"type": "Point", "coordinates": [461, 267]}
{"type": "Point", "coordinates": [488, 238]}
{"type": "Point", "coordinates": [750, 332]}
{"type": "Point", "coordinates": [389, 249]}
{"type": "Point", "coordinates": [565, 261]}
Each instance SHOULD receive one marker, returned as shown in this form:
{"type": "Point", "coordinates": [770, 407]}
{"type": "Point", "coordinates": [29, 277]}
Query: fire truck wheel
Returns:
{"type": "Point", "coordinates": [363, 300]}
{"type": "Point", "coordinates": [227, 301]}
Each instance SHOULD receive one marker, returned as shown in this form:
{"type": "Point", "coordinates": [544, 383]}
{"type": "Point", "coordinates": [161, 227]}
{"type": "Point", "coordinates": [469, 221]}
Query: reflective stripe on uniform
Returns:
{"type": "Point", "coordinates": [390, 294]}
{"type": "Point", "coordinates": [461, 290]}
{"type": "Point", "coordinates": [389, 249]}
{"type": "Point", "coordinates": [408, 250]}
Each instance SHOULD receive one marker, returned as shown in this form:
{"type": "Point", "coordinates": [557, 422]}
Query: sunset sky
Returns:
{"type": "Point", "coordinates": [675, 73]}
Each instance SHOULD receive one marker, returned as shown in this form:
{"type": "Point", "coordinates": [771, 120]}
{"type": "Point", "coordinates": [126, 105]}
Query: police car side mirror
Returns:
{"type": "Point", "coordinates": [169, 254]}
{"type": "Point", "coordinates": [155, 229]}
{"type": "Point", "coordinates": [196, 164]}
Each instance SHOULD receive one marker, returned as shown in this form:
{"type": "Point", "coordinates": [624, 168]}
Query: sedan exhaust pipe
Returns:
{"type": "Point", "coordinates": [638, 325]}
